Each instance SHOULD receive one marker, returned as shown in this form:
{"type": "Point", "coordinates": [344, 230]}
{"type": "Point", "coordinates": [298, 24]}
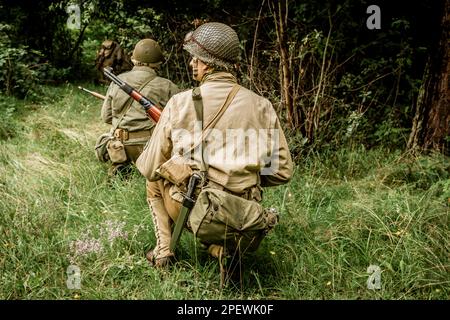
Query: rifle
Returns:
{"type": "Point", "coordinates": [95, 94]}
{"type": "Point", "coordinates": [151, 108]}
{"type": "Point", "coordinates": [154, 113]}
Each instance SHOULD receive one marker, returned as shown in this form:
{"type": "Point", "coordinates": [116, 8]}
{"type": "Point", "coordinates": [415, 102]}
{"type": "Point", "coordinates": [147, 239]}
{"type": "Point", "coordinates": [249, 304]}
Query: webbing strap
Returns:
{"type": "Point", "coordinates": [198, 105]}
{"type": "Point", "coordinates": [129, 103]}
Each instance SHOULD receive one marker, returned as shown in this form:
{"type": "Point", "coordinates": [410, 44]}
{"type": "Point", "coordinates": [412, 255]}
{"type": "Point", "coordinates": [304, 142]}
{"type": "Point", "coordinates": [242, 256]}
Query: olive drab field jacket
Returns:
{"type": "Point", "coordinates": [246, 147]}
{"type": "Point", "coordinates": [158, 90]}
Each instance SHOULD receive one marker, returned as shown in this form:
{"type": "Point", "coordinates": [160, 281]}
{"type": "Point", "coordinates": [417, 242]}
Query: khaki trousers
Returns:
{"type": "Point", "coordinates": [165, 211]}
{"type": "Point", "coordinates": [134, 151]}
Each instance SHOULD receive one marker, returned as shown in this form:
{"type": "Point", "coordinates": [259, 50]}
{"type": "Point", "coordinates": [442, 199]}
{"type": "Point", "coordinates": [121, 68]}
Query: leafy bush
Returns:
{"type": "Point", "coordinates": [9, 125]}
{"type": "Point", "coordinates": [422, 173]}
{"type": "Point", "coordinates": [23, 68]}
{"type": "Point", "coordinates": [18, 74]}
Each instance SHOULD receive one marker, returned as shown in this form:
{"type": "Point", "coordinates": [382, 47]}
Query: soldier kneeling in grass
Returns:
{"type": "Point", "coordinates": [199, 160]}
{"type": "Point", "coordinates": [131, 127]}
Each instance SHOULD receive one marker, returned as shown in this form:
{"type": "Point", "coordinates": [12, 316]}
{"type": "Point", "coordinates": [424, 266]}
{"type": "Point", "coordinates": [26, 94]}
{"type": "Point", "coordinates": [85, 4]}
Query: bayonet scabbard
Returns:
{"type": "Point", "coordinates": [188, 204]}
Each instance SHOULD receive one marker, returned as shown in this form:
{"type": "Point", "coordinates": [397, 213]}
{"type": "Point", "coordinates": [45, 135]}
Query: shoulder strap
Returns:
{"type": "Point", "coordinates": [198, 104]}
{"type": "Point", "coordinates": [224, 107]}
{"type": "Point", "coordinates": [130, 102]}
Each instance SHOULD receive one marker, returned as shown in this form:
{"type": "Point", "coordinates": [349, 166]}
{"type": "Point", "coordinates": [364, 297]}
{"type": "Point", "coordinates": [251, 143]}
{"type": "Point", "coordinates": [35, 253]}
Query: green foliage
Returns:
{"type": "Point", "coordinates": [18, 64]}
{"type": "Point", "coordinates": [354, 201]}
{"type": "Point", "coordinates": [343, 211]}
{"type": "Point", "coordinates": [361, 90]}
{"type": "Point", "coordinates": [125, 29]}
{"type": "Point", "coordinates": [35, 48]}
{"type": "Point", "coordinates": [10, 123]}
{"type": "Point", "coordinates": [422, 173]}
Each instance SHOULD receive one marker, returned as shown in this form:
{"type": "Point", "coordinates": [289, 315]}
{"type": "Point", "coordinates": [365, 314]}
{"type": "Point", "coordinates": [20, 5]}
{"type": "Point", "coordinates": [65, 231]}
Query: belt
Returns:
{"type": "Point", "coordinates": [124, 134]}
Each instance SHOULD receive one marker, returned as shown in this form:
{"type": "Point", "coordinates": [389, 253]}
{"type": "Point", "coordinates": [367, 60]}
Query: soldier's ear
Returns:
{"type": "Point", "coordinates": [119, 54]}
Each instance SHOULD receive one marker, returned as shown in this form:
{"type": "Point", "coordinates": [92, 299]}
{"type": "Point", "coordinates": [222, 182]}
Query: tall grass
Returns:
{"type": "Point", "coordinates": [342, 212]}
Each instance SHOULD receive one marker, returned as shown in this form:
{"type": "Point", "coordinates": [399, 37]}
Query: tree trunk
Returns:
{"type": "Point", "coordinates": [431, 123]}
{"type": "Point", "coordinates": [77, 43]}
{"type": "Point", "coordinates": [279, 11]}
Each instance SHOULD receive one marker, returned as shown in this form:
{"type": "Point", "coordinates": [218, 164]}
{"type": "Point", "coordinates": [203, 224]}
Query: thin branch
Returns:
{"type": "Point", "coordinates": [316, 124]}
{"type": "Point", "coordinates": [253, 49]}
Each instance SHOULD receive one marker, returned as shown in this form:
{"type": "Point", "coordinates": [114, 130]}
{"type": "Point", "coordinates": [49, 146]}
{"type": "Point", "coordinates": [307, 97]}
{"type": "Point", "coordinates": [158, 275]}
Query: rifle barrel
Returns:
{"type": "Point", "coordinates": [95, 94]}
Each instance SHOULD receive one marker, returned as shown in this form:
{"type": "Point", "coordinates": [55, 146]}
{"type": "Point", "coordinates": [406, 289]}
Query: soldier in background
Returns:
{"type": "Point", "coordinates": [131, 127]}
{"type": "Point", "coordinates": [111, 54]}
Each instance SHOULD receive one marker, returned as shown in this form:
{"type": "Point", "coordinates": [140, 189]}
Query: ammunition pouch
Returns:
{"type": "Point", "coordinates": [101, 150]}
{"type": "Point", "coordinates": [116, 151]}
{"type": "Point", "coordinates": [176, 171]}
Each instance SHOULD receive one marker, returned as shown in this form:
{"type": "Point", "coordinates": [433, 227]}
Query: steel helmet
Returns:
{"type": "Point", "coordinates": [214, 43]}
{"type": "Point", "coordinates": [148, 52]}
